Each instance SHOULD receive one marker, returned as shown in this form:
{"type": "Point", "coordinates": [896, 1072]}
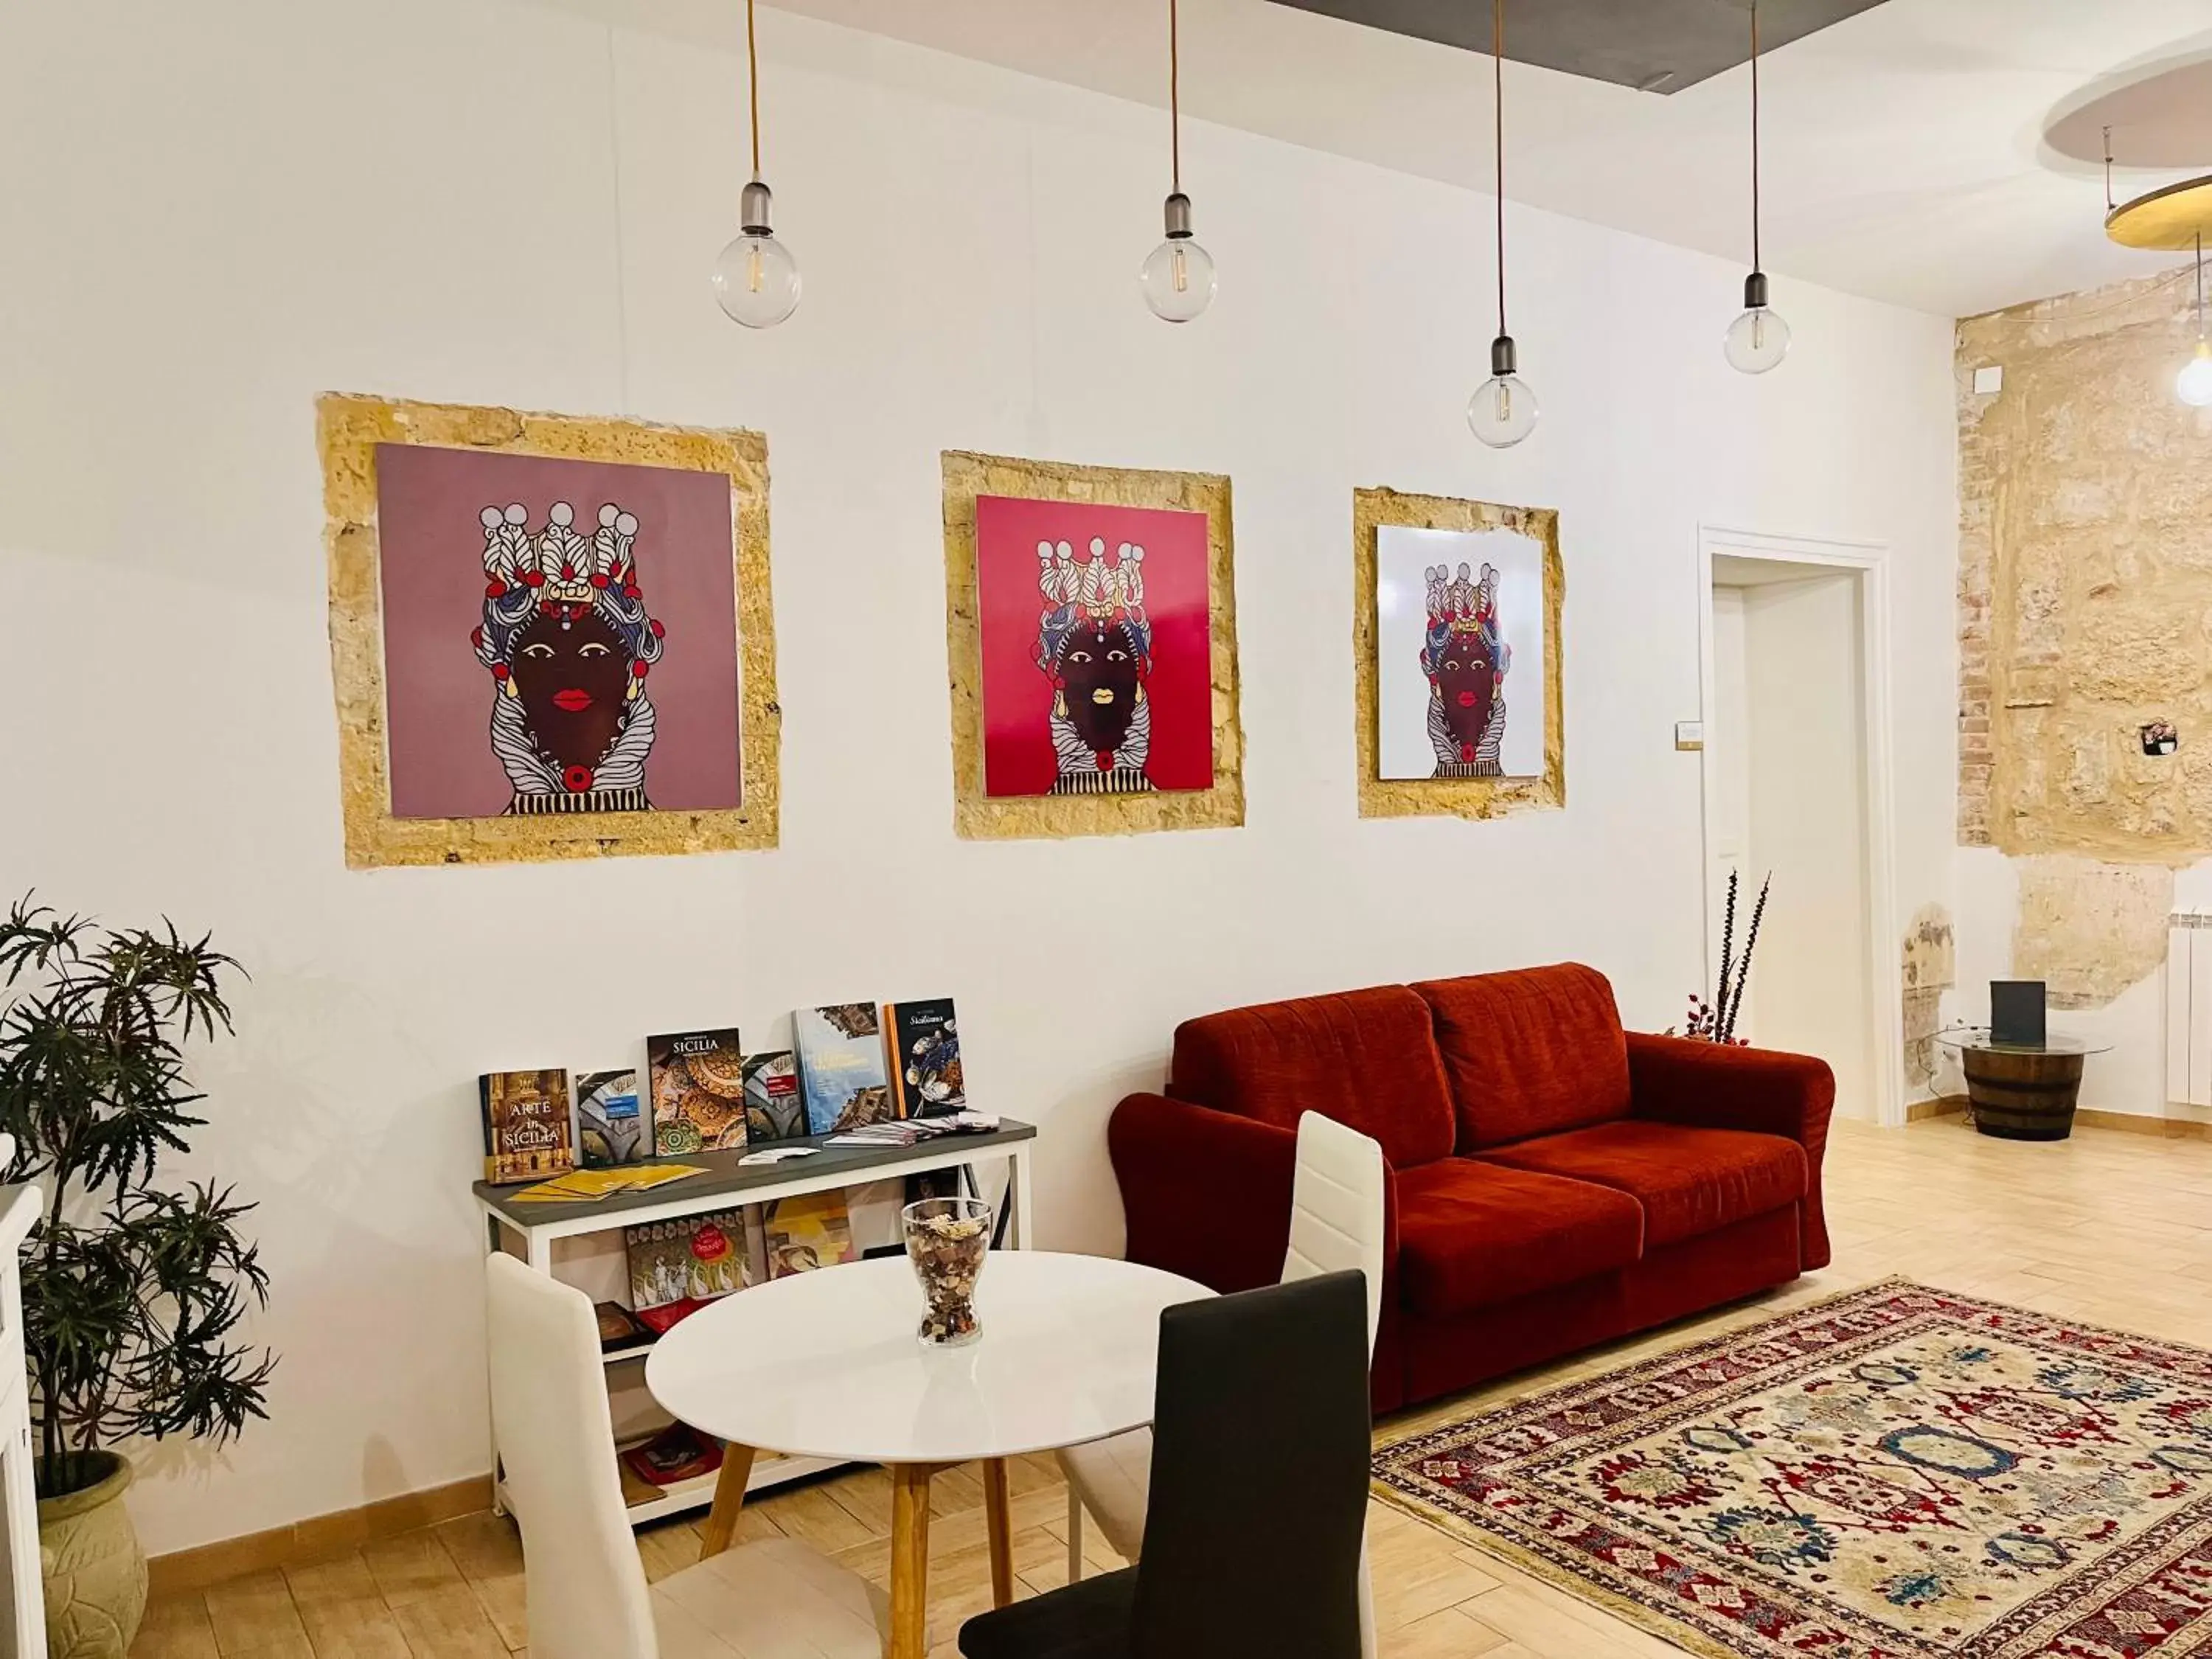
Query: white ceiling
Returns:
{"type": "Point", "coordinates": [1905, 151]}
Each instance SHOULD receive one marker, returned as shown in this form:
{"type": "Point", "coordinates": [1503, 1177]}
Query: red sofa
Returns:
{"type": "Point", "coordinates": [1553, 1181]}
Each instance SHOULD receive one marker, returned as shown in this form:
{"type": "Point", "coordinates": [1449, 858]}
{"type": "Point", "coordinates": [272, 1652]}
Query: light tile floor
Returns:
{"type": "Point", "coordinates": [2110, 1227]}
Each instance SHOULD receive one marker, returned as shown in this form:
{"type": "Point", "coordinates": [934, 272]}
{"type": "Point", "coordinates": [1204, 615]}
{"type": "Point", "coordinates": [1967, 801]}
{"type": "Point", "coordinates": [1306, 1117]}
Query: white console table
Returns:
{"type": "Point", "coordinates": [532, 1232]}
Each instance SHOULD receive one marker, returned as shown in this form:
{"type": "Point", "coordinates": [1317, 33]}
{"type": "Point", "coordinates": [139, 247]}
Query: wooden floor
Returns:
{"type": "Point", "coordinates": [2110, 1227]}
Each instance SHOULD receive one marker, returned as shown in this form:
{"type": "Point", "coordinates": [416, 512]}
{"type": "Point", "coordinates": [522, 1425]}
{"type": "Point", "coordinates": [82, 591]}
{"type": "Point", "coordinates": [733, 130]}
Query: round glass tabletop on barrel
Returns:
{"type": "Point", "coordinates": [2021, 1090]}
{"type": "Point", "coordinates": [828, 1363]}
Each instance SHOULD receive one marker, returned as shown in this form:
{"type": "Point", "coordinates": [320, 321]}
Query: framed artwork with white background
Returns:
{"type": "Point", "coordinates": [1458, 643]}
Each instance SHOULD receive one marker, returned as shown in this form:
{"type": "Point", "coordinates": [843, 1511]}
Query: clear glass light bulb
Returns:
{"type": "Point", "coordinates": [1502, 411]}
{"type": "Point", "coordinates": [756, 281]}
{"type": "Point", "coordinates": [1178, 280]}
{"type": "Point", "coordinates": [1757, 340]}
{"type": "Point", "coordinates": [2193, 386]}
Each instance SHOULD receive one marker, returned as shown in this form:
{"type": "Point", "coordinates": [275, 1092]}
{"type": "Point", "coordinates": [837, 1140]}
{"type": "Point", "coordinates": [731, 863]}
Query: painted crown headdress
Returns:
{"type": "Point", "coordinates": [562, 566]}
{"type": "Point", "coordinates": [1466, 604]}
{"type": "Point", "coordinates": [1095, 589]}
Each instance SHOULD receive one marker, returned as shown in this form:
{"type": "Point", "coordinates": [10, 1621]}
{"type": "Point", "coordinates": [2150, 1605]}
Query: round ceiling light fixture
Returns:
{"type": "Point", "coordinates": [2175, 219]}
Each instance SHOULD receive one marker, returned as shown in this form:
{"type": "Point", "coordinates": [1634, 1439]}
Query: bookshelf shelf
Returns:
{"type": "Point", "coordinates": [531, 1231]}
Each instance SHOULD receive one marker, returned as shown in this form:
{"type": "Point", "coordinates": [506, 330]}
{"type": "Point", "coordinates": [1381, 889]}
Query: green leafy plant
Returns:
{"type": "Point", "coordinates": [132, 1293]}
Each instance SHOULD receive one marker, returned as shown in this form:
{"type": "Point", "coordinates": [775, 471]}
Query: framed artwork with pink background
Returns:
{"type": "Point", "coordinates": [1097, 648]}
{"type": "Point", "coordinates": [1091, 630]}
{"type": "Point", "coordinates": [551, 634]}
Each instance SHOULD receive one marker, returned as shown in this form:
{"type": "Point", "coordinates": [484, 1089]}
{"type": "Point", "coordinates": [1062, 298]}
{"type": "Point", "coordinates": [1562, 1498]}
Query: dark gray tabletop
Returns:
{"type": "Point", "coordinates": [725, 1179]}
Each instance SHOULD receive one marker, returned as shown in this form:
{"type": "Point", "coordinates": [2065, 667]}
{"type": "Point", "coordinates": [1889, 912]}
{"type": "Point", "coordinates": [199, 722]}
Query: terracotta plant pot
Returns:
{"type": "Point", "coordinates": [94, 1571]}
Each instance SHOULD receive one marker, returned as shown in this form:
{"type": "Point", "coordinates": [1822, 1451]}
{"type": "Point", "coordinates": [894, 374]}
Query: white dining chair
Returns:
{"type": "Point", "coordinates": [779, 1598]}
{"type": "Point", "coordinates": [1336, 1222]}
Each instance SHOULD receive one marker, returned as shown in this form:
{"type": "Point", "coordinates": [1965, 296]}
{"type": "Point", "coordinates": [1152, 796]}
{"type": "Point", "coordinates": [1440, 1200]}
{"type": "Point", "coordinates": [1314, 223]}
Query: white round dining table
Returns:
{"type": "Point", "coordinates": [828, 1364]}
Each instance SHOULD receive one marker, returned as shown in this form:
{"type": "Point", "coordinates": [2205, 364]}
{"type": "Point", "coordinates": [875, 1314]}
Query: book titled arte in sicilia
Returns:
{"type": "Point", "coordinates": [527, 1131]}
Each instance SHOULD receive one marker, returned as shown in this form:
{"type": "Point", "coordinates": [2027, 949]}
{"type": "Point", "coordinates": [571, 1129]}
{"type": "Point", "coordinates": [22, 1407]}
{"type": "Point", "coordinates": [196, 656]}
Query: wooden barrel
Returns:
{"type": "Point", "coordinates": [2022, 1096]}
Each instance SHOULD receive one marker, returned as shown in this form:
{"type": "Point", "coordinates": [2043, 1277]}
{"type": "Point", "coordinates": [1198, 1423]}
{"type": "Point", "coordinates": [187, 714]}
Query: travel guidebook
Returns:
{"type": "Point", "coordinates": [801, 1234]}
{"type": "Point", "coordinates": [775, 1106]}
{"type": "Point", "coordinates": [609, 1130]}
{"type": "Point", "coordinates": [841, 1066]}
{"type": "Point", "coordinates": [698, 1091]}
{"type": "Point", "coordinates": [924, 1040]}
{"type": "Point", "coordinates": [527, 1134]}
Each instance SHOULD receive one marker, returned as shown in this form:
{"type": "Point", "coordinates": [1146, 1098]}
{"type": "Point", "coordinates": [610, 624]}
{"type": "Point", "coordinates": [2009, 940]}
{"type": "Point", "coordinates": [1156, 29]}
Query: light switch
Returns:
{"type": "Point", "coordinates": [1689, 734]}
{"type": "Point", "coordinates": [1988, 380]}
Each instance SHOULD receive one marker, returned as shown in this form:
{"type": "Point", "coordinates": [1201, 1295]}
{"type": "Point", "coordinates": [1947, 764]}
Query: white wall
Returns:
{"type": "Point", "coordinates": [213, 212]}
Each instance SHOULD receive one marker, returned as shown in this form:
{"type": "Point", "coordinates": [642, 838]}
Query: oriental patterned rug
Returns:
{"type": "Point", "coordinates": [1893, 1473]}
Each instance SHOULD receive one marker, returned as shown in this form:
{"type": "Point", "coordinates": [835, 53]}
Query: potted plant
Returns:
{"type": "Point", "coordinates": [1714, 1021]}
{"type": "Point", "coordinates": [132, 1293]}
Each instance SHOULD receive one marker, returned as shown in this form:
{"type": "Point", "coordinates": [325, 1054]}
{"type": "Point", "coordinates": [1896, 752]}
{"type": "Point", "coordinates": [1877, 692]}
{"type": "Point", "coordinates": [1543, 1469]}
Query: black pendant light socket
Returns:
{"type": "Point", "coordinates": [1754, 291]}
{"type": "Point", "coordinates": [1178, 216]}
{"type": "Point", "coordinates": [1505, 357]}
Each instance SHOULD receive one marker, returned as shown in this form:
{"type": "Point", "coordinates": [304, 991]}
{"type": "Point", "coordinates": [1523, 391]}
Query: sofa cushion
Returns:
{"type": "Point", "coordinates": [1367, 1059]}
{"type": "Point", "coordinates": [1471, 1233]}
{"type": "Point", "coordinates": [1529, 1052]}
{"type": "Point", "coordinates": [1688, 1181]}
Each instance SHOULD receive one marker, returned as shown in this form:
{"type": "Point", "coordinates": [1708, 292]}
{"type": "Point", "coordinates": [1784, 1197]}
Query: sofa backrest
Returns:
{"type": "Point", "coordinates": [1367, 1059]}
{"type": "Point", "coordinates": [1529, 1052]}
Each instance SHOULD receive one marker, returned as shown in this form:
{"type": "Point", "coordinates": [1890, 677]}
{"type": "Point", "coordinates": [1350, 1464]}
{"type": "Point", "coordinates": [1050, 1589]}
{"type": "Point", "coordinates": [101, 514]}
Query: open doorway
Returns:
{"type": "Point", "coordinates": [1796, 784]}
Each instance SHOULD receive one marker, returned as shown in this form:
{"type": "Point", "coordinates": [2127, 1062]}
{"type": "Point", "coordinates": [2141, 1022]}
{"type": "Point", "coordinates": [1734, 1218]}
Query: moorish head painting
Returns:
{"type": "Point", "coordinates": [1096, 647]}
{"type": "Point", "coordinates": [559, 636]}
{"type": "Point", "coordinates": [1460, 653]}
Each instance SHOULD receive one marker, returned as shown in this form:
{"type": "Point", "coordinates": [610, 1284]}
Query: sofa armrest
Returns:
{"type": "Point", "coordinates": [1207, 1194]}
{"type": "Point", "coordinates": [1712, 1086]}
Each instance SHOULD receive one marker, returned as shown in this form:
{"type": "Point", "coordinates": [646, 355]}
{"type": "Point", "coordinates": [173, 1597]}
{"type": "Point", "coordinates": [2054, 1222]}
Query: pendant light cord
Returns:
{"type": "Point", "coordinates": [2200, 286]}
{"type": "Point", "coordinates": [1755, 264]}
{"type": "Point", "coordinates": [1498, 111]}
{"type": "Point", "coordinates": [752, 78]}
{"type": "Point", "coordinates": [1175, 98]}
{"type": "Point", "coordinates": [2109, 202]}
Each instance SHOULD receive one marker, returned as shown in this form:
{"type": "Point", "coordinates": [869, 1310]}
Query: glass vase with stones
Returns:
{"type": "Point", "coordinates": [947, 1239]}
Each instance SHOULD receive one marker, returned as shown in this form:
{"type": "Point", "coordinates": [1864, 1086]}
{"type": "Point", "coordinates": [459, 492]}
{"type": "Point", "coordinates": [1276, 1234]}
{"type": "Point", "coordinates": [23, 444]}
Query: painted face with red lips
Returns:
{"type": "Point", "coordinates": [571, 681]}
{"type": "Point", "coordinates": [1468, 679]}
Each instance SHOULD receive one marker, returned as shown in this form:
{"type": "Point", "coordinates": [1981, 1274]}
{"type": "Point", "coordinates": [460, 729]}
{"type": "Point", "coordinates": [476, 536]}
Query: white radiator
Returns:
{"type": "Point", "coordinates": [2189, 1007]}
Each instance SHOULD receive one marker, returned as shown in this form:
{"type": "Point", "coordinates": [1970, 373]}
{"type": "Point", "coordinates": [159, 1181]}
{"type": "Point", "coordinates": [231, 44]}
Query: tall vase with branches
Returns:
{"type": "Point", "coordinates": [1714, 1021]}
{"type": "Point", "coordinates": [133, 1293]}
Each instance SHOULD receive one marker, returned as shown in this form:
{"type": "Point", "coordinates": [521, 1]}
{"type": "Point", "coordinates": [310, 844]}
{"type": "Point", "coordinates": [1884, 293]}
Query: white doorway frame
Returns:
{"type": "Point", "coordinates": [1868, 563]}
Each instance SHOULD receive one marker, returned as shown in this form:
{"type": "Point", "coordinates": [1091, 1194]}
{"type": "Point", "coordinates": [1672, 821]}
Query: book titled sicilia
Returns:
{"type": "Point", "coordinates": [527, 1133]}
{"type": "Point", "coordinates": [926, 1075]}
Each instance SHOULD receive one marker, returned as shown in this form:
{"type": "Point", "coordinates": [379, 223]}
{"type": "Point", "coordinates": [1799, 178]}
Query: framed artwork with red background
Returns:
{"type": "Point", "coordinates": [1097, 648]}
{"type": "Point", "coordinates": [1090, 628]}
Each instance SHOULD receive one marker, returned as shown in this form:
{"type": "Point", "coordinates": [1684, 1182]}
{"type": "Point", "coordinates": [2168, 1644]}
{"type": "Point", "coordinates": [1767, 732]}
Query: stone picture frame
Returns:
{"type": "Point", "coordinates": [1467, 797]}
{"type": "Point", "coordinates": [349, 427]}
{"type": "Point", "coordinates": [980, 817]}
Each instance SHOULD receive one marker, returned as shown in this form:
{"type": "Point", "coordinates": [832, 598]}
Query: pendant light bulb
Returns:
{"type": "Point", "coordinates": [1502, 411]}
{"type": "Point", "coordinates": [1757, 340]}
{"type": "Point", "coordinates": [2194, 385]}
{"type": "Point", "coordinates": [1178, 279]}
{"type": "Point", "coordinates": [755, 280]}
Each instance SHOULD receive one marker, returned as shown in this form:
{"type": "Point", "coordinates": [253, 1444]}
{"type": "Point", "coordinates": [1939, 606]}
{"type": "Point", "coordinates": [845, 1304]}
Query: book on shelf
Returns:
{"type": "Point", "coordinates": [618, 1327]}
{"type": "Point", "coordinates": [924, 1040]}
{"type": "Point", "coordinates": [841, 1066]}
{"type": "Point", "coordinates": [527, 1131]}
{"type": "Point", "coordinates": [693, 1258]}
{"type": "Point", "coordinates": [611, 1130]}
{"type": "Point", "coordinates": [582, 1186]}
{"type": "Point", "coordinates": [775, 1106]}
{"type": "Point", "coordinates": [801, 1234]}
{"type": "Point", "coordinates": [913, 1131]}
{"type": "Point", "coordinates": [678, 1452]}
{"type": "Point", "coordinates": [698, 1088]}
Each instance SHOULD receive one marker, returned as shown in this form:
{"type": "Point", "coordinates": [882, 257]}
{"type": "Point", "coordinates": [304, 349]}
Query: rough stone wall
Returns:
{"type": "Point", "coordinates": [2085, 579]}
{"type": "Point", "coordinates": [1928, 968]}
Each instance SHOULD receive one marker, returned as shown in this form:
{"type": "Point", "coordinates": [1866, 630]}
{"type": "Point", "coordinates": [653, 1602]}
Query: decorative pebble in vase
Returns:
{"type": "Point", "coordinates": [947, 1239]}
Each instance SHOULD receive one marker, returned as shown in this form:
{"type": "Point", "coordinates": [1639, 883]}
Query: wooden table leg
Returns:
{"type": "Point", "coordinates": [1001, 1533]}
{"type": "Point", "coordinates": [721, 1522]}
{"type": "Point", "coordinates": [910, 1559]}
